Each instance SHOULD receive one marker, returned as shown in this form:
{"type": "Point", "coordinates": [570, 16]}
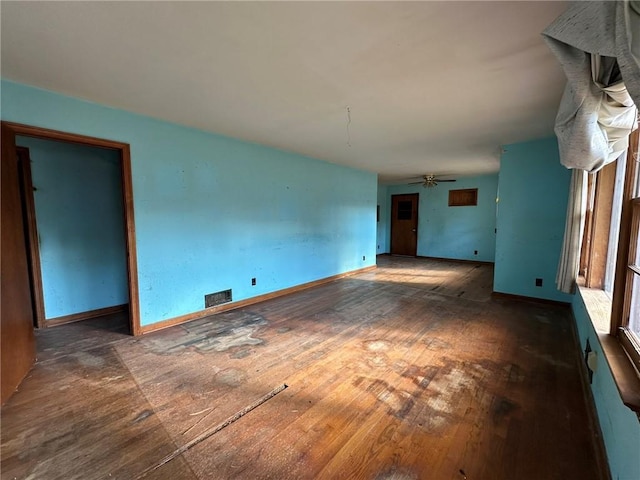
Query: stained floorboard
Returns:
{"type": "Point", "coordinates": [410, 371]}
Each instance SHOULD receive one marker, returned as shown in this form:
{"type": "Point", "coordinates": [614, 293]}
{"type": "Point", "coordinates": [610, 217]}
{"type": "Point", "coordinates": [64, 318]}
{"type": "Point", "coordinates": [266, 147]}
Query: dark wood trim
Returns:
{"type": "Point", "coordinates": [127, 192]}
{"type": "Point", "coordinates": [601, 226]}
{"type": "Point", "coordinates": [39, 132]}
{"type": "Point", "coordinates": [249, 301]}
{"type": "Point", "coordinates": [592, 413]}
{"type": "Point", "coordinates": [523, 298]}
{"type": "Point", "coordinates": [130, 226]}
{"type": "Point", "coordinates": [624, 375]}
{"type": "Point", "coordinates": [631, 269]}
{"type": "Point", "coordinates": [33, 251]}
{"type": "Point", "coordinates": [631, 346]}
{"type": "Point", "coordinates": [619, 286]}
{"type": "Point", "coordinates": [77, 317]}
{"type": "Point", "coordinates": [585, 249]}
{"type": "Point", "coordinates": [457, 260]}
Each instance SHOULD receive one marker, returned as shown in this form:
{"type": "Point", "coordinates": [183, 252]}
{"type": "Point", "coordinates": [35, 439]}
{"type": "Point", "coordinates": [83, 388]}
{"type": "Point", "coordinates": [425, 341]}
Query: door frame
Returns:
{"type": "Point", "coordinates": [31, 235]}
{"type": "Point", "coordinates": [391, 221]}
{"type": "Point", "coordinates": [10, 130]}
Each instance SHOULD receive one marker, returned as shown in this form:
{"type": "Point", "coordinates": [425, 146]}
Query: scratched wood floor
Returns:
{"type": "Point", "coordinates": [411, 371]}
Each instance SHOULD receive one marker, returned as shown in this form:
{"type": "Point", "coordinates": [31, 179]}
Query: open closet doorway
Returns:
{"type": "Point", "coordinates": [77, 207]}
{"type": "Point", "coordinates": [72, 197]}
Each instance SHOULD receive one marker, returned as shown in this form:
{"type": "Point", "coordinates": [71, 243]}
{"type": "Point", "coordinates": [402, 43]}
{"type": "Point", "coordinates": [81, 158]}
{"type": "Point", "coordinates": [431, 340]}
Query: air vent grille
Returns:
{"type": "Point", "coordinates": [218, 298]}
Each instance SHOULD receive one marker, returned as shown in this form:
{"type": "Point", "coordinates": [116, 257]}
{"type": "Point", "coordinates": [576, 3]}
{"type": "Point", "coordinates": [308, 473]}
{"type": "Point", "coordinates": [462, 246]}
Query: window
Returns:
{"type": "Point", "coordinates": [463, 197]}
{"type": "Point", "coordinates": [405, 210]}
{"type": "Point", "coordinates": [630, 328]}
{"type": "Point", "coordinates": [625, 314]}
{"type": "Point", "coordinates": [602, 226]}
{"type": "Point", "coordinates": [610, 256]}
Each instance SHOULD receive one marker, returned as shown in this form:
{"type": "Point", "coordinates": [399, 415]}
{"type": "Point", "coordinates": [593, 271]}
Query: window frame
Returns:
{"type": "Point", "coordinates": [598, 223]}
{"type": "Point", "coordinates": [620, 346]}
{"type": "Point", "coordinates": [627, 248]}
{"type": "Point", "coordinates": [630, 341]}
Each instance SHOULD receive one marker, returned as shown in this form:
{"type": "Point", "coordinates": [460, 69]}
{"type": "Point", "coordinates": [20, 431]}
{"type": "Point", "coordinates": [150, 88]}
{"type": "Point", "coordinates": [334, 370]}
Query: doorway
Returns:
{"type": "Point", "coordinates": [72, 198]}
{"type": "Point", "coordinates": [17, 293]}
{"type": "Point", "coordinates": [404, 224]}
{"type": "Point", "coordinates": [113, 259]}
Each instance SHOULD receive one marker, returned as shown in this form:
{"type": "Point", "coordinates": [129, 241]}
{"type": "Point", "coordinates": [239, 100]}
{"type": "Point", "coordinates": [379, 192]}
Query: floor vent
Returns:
{"type": "Point", "coordinates": [218, 298]}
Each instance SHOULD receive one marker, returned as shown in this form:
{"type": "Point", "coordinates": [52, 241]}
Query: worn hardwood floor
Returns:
{"type": "Point", "coordinates": [410, 371]}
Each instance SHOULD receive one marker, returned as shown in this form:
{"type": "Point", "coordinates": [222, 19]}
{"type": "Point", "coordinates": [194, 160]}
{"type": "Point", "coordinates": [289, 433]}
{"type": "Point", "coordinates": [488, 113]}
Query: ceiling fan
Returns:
{"type": "Point", "coordinates": [430, 181]}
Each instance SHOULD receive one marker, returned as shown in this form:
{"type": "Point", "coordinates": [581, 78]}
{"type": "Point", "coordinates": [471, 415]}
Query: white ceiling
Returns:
{"type": "Point", "coordinates": [432, 87]}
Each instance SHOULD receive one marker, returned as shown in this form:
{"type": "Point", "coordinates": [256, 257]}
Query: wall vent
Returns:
{"type": "Point", "coordinates": [218, 298]}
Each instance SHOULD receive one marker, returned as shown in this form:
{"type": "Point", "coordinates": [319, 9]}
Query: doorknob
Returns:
{"type": "Point", "coordinates": [413, 230]}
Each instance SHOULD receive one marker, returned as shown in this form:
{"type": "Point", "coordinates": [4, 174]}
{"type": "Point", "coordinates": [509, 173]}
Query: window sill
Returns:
{"type": "Point", "coordinates": [598, 305]}
{"type": "Point", "coordinates": [625, 376]}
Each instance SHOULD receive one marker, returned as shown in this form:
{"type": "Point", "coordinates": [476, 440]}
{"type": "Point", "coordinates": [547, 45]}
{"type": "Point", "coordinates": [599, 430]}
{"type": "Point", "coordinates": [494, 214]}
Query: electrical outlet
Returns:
{"type": "Point", "coordinates": [475, 252]}
{"type": "Point", "coordinates": [363, 258]}
{"type": "Point", "coordinates": [538, 282]}
{"type": "Point", "coordinates": [253, 281]}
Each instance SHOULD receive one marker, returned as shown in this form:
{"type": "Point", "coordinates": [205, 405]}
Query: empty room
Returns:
{"type": "Point", "coordinates": [300, 240]}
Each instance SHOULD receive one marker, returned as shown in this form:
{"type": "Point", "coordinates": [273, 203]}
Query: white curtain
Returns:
{"type": "Point", "coordinates": [597, 112]}
{"type": "Point", "coordinates": [598, 45]}
{"type": "Point", "coordinates": [574, 227]}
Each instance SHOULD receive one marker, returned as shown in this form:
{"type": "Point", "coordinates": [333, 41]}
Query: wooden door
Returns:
{"type": "Point", "coordinates": [404, 224]}
{"type": "Point", "coordinates": [16, 321]}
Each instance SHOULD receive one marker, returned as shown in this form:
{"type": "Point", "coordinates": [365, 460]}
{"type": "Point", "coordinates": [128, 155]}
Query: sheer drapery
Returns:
{"type": "Point", "coordinates": [597, 112]}
{"type": "Point", "coordinates": [598, 46]}
{"type": "Point", "coordinates": [574, 227]}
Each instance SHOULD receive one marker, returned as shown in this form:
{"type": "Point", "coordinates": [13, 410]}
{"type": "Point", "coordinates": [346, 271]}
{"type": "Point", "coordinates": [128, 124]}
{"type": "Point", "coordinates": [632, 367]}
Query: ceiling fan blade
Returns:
{"type": "Point", "coordinates": [416, 183]}
{"type": "Point", "coordinates": [440, 180]}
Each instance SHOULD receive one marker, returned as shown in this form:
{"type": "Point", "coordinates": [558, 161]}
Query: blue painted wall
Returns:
{"type": "Point", "coordinates": [212, 212]}
{"type": "Point", "coordinates": [533, 191]}
{"type": "Point", "coordinates": [455, 232]}
{"type": "Point", "coordinates": [78, 203]}
{"type": "Point", "coordinates": [383, 223]}
{"type": "Point", "coordinates": [620, 426]}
